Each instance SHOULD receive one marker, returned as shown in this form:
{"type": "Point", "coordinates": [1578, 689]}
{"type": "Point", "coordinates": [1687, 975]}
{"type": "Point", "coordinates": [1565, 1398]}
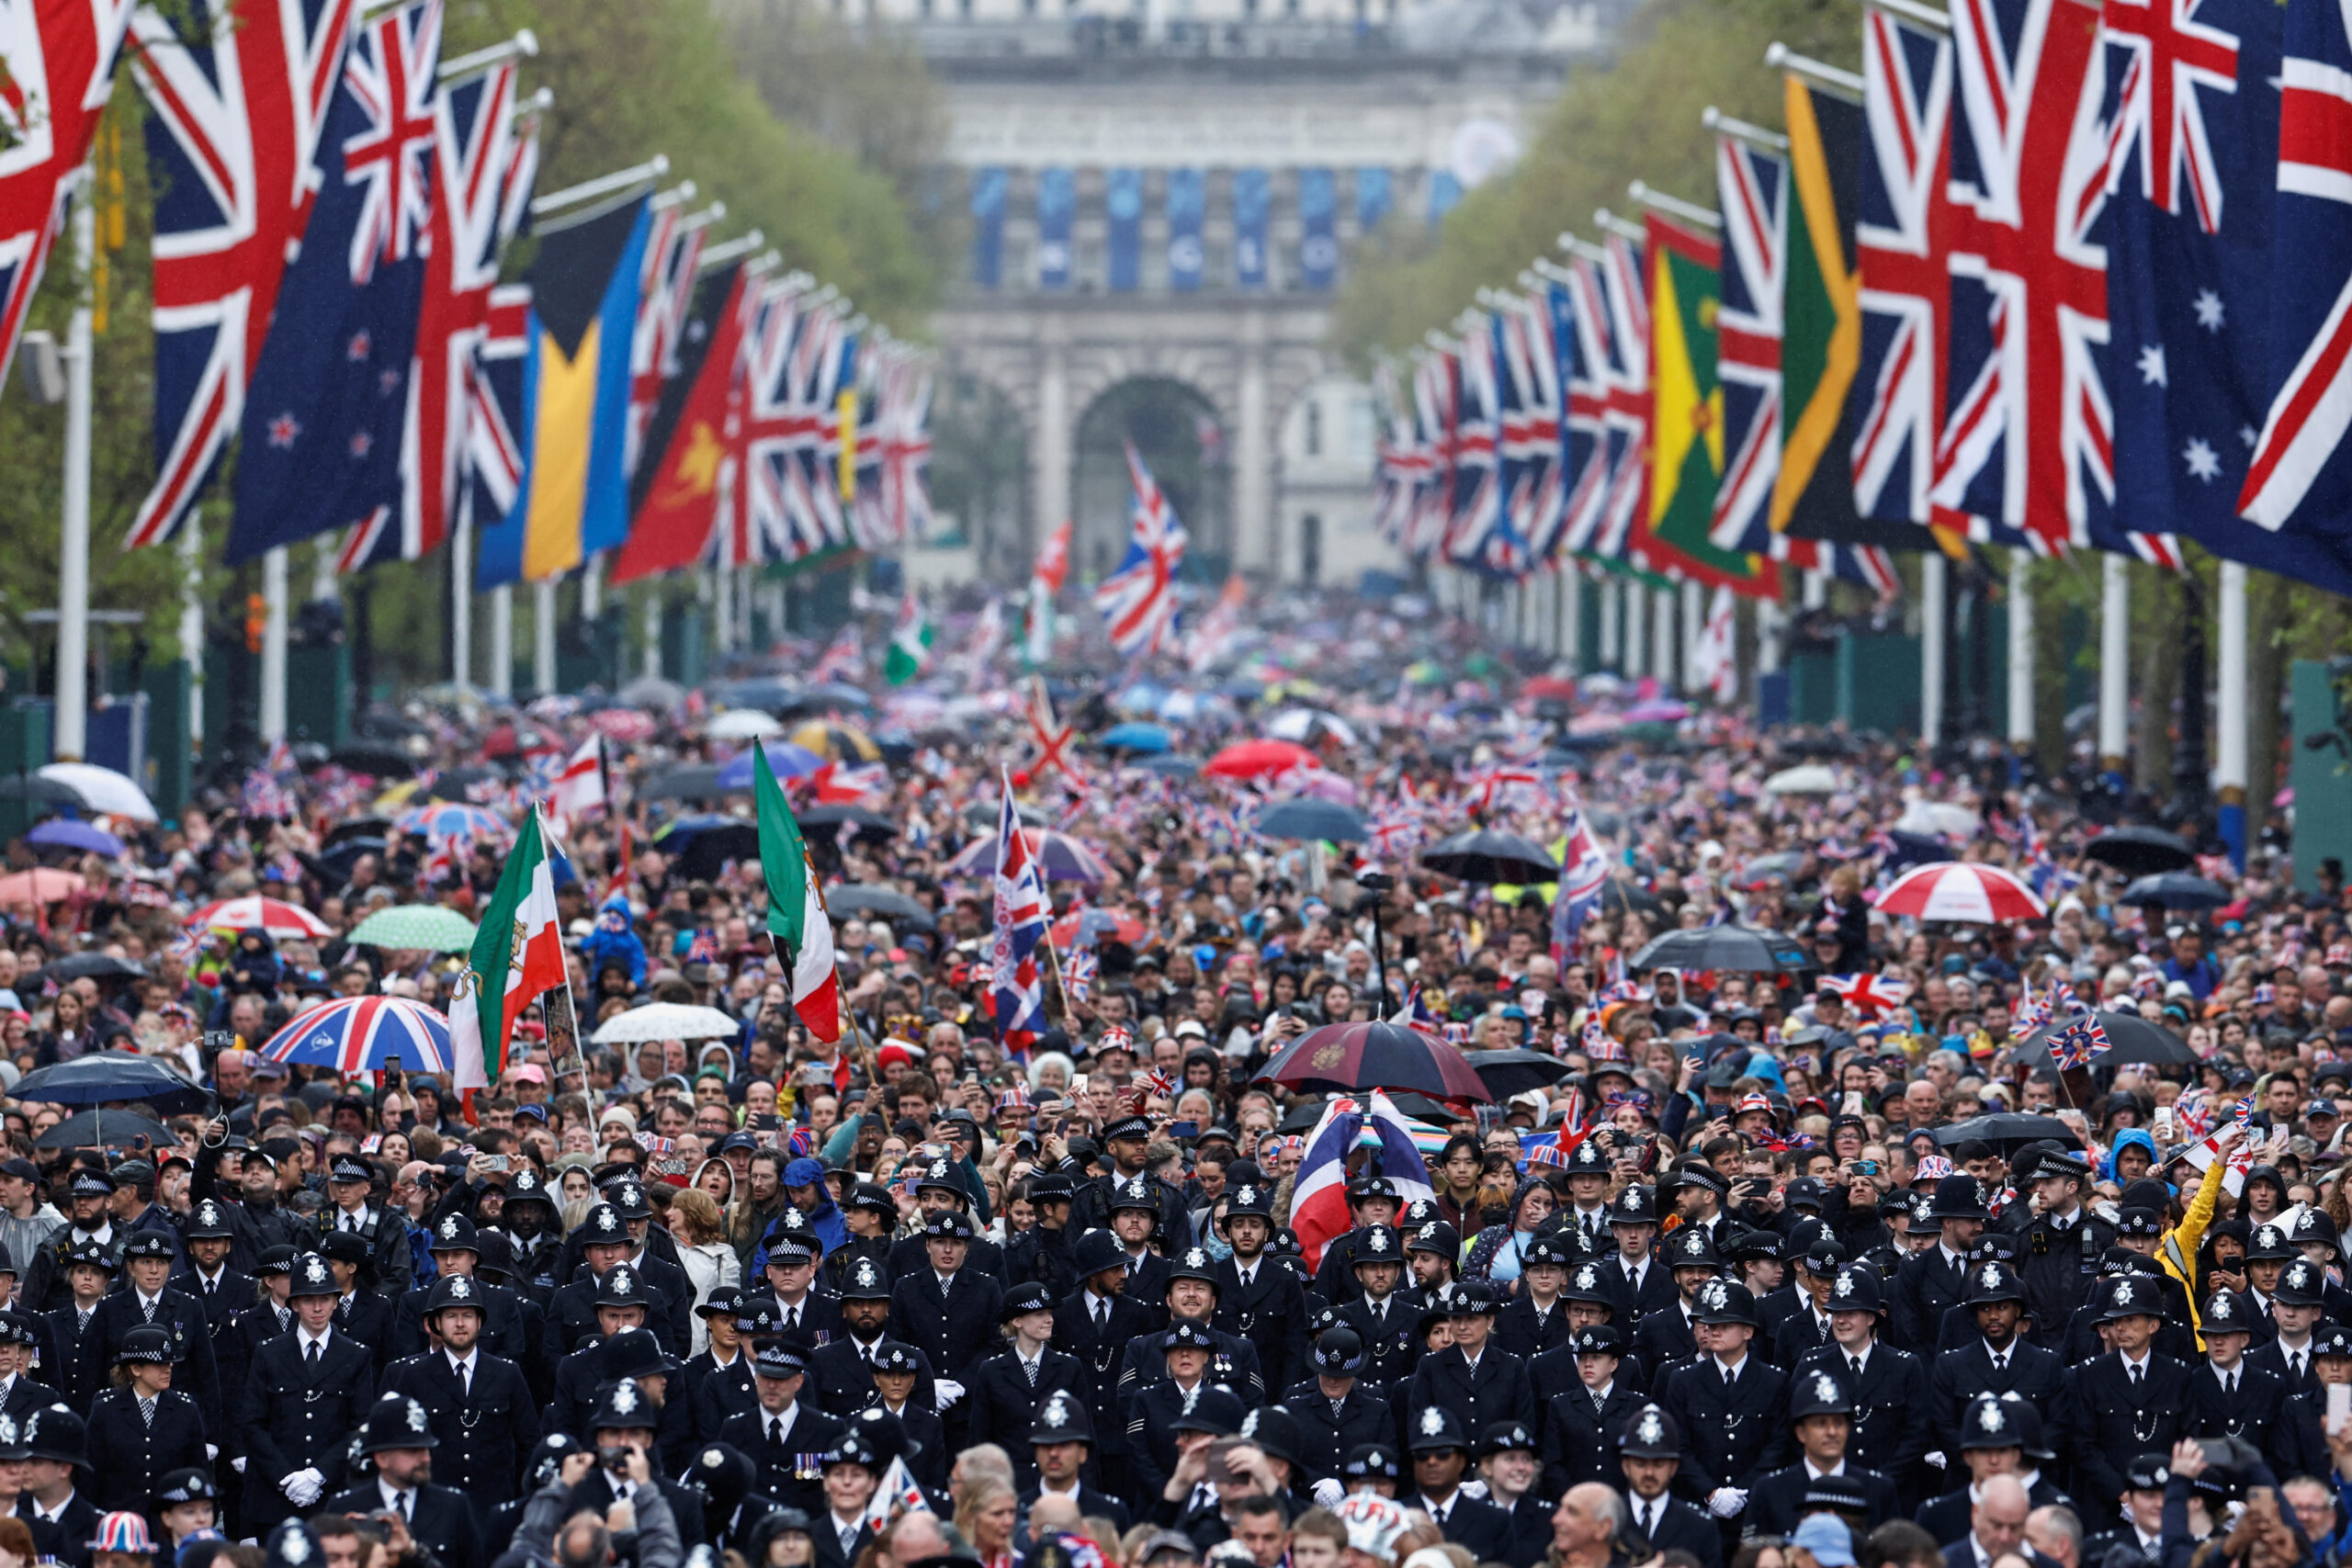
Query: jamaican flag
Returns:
{"type": "Point", "coordinates": [1821, 343]}
{"type": "Point", "coordinates": [1687, 413]}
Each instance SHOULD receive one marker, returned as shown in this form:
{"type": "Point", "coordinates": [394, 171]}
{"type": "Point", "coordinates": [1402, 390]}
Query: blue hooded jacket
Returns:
{"type": "Point", "coordinates": [615, 937]}
{"type": "Point", "coordinates": [2127, 1136]}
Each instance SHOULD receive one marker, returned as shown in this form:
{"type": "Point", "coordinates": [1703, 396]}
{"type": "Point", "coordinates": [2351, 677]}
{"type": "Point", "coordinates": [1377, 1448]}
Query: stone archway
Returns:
{"type": "Point", "coordinates": [1181, 436]}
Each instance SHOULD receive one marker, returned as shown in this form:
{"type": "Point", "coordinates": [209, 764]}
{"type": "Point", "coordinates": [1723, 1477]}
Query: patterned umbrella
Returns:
{"type": "Point", "coordinates": [359, 1035]}
{"type": "Point", "coordinates": [1960, 890]}
{"type": "Point", "coordinates": [439, 821]}
{"type": "Point", "coordinates": [626, 725]}
{"type": "Point", "coordinates": [1063, 858]}
{"type": "Point", "coordinates": [254, 912]}
{"type": "Point", "coordinates": [1377, 1055]}
{"type": "Point", "coordinates": [419, 928]}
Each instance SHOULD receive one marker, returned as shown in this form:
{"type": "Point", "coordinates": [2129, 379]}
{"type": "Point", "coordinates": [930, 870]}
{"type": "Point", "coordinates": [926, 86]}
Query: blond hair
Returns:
{"type": "Point", "coordinates": [699, 1211]}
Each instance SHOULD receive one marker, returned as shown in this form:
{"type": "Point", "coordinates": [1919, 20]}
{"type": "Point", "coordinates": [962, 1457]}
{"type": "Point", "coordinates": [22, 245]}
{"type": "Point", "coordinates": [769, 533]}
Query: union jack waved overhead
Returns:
{"type": "Point", "coordinates": [237, 97]}
{"type": "Point", "coordinates": [57, 63]}
{"type": "Point", "coordinates": [2026, 454]}
{"type": "Point", "coordinates": [1752, 187]}
{"type": "Point", "coordinates": [1139, 600]}
{"type": "Point", "coordinates": [1903, 246]}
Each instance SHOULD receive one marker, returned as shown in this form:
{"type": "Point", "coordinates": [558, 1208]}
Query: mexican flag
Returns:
{"type": "Point", "coordinates": [910, 642]}
{"type": "Point", "coordinates": [517, 955]}
{"type": "Point", "coordinates": [796, 917]}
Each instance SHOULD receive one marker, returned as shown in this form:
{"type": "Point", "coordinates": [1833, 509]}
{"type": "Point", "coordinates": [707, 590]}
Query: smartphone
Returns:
{"type": "Point", "coordinates": [1853, 1102]}
{"type": "Point", "coordinates": [1181, 1130]}
{"type": "Point", "coordinates": [501, 1162]}
{"type": "Point", "coordinates": [615, 1459]}
{"type": "Point", "coordinates": [2339, 1405]}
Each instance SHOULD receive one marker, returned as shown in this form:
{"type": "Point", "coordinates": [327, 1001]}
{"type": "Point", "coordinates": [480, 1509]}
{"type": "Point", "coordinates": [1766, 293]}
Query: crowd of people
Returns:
{"type": "Point", "coordinates": [1817, 1266]}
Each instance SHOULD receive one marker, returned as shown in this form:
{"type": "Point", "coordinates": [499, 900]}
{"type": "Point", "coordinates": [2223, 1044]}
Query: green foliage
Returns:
{"type": "Point", "coordinates": [1634, 117]}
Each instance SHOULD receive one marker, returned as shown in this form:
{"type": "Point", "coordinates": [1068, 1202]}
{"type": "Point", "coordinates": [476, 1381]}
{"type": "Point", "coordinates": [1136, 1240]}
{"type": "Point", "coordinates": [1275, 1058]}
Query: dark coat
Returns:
{"type": "Point", "coordinates": [1800, 1335]}
{"type": "Point", "coordinates": [1390, 1350]}
{"type": "Point", "coordinates": [1925, 1287]}
{"type": "Point", "coordinates": [230, 1294]}
{"type": "Point", "coordinates": [1955, 1377]}
{"type": "Point", "coordinates": [1948, 1518]}
{"type": "Point", "coordinates": [818, 1315]}
{"type": "Point", "coordinates": [67, 1539]}
{"type": "Point", "coordinates": [829, 1553]}
{"type": "Point", "coordinates": [1004, 1404]}
{"type": "Point", "coordinates": [442, 1520]}
{"type": "Point", "coordinates": [2058, 1269]}
{"type": "Point", "coordinates": [1578, 1441]}
{"type": "Point", "coordinates": [1497, 1389]}
{"type": "Point", "coordinates": [129, 1456]}
{"type": "Point", "coordinates": [1097, 1349]}
{"type": "Point", "coordinates": [297, 1417]}
{"type": "Point", "coordinates": [386, 1233]}
{"type": "Point", "coordinates": [367, 1317]}
{"type": "Point", "coordinates": [1481, 1527]}
{"type": "Point", "coordinates": [792, 1473]}
{"type": "Point", "coordinates": [486, 1434]}
{"type": "Point", "coordinates": [1655, 1292]}
{"type": "Point", "coordinates": [1234, 1364]}
{"type": "Point", "coordinates": [1325, 1436]}
{"type": "Point", "coordinates": [250, 1329]}
{"type": "Point", "coordinates": [1731, 1437]}
{"type": "Point", "coordinates": [1778, 1501]}
{"type": "Point", "coordinates": [2106, 1422]}
{"type": "Point", "coordinates": [77, 1373]}
{"type": "Point", "coordinates": [1665, 1339]}
{"type": "Point", "coordinates": [1681, 1527]}
{"type": "Point", "coordinates": [714, 1392]}
{"type": "Point", "coordinates": [503, 1334]}
{"type": "Point", "coordinates": [1151, 1437]}
{"type": "Point", "coordinates": [1888, 1434]}
{"type": "Point", "coordinates": [2251, 1413]}
{"type": "Point", "coordinates": [952, 1329]}
{"type": "Point", "coordinates": [1271, 1313]}
{"type": "Point", "coordinates": [1518, 1330]}
{"type": "Point", "coordinates": [840, 1382]}
{"type": "Point", "coordinates": [196, 1373]}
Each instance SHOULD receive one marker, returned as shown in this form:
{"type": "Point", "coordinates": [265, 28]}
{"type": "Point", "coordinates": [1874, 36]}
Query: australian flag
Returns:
{"type": "Point", "coordinates": [2190, 272]}
{"type": "Point", "coordinates": [325, 415]}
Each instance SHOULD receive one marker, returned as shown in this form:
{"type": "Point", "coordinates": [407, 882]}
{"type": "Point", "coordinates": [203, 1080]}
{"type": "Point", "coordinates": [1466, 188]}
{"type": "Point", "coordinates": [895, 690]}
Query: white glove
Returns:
{"type": "Point", "coordinates": [302, 1487]}
{"type": "Point", "coordinates": [238, 1464]}
{"type": "Point", "coordinates": [1328, 1493]}
{"type": "Point", "coordinates": [1936, 1459]}
{"type": "Point", "coordinates": [211, 1450]}
{"type": "Point", "coordinates": [1475, 1490]}
{"type": "Point", "coordinates": [1726, 1502]}
{"type": "Point", "coordinates": [950, 1391]}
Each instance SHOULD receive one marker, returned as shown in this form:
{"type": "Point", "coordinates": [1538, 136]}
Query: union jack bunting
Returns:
{"type": "Point", "coordinates": [1404, 459]}
{"type": "Point", "coordinates": [1903, 246]}
{"type": "Point", "coordinates": [237, 96]}
{"type": "Point", "coordinates": [2026, 454]}
{"type": "Point", "coordinates": [1752, 188]}
{"type": "Point", "coordinates": [1580, 324]}
{"type": "Point", "coordinates": [57, 59]}
{"type": "Point", "coordinates": [902, 424]}
{"type": "Point", "coordinates": [1139, 600]}
{"type": "Point", "coordinates": [1434, 411]}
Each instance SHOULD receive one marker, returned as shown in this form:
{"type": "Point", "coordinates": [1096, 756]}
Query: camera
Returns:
{"type": "Point", "coordinates": [614, 1459]}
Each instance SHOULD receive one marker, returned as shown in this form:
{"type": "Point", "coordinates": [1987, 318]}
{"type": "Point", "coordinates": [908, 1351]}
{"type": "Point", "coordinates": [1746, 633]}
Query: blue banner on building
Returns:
{"type": "Point", "coordinates": [1319, 248]}
{"type": "Point", "coordinates": [1187, 197]}
{"type": "Point", "coordinates": [1373, 198]}
{"type": "Point", "coordinates": [1057, 202]}
{"type": "Point", "coordinates": [1445, 195]}
{"type": "Point", "coordinates": [1123, 200]}
{"type": "Point", "coordinates": [1250, 199]}
{"type": "Point", "coordinates": [987, 227]}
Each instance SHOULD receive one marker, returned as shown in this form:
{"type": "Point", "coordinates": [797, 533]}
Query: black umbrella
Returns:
{"type": "Point", "coordinates": [866, 898]}
{"type": "Point", "coordinates": [1619, 896]}
{"type": "Point", "coordinates": [1742, 950]}
{"type": "Point", "coordinates": [358, 828]}
{"type": "Point", "coordinates": [33, 788]}
{"type": "Point", "coordinates": [2008, 1131]}
{"type": "Point", "coordinates": [2177, 890]}
{"type": "Point", "coordinates": [332, 865]}
{"type": "Point", "coordinates": [831, 819]}
{"type": "Point", "coordinates": [378, 758]}
{"type": "Point", "coordinates": [1421, 1108]}
{"type": "Point", "coordinates": [693, 781]}
{"type": "Point", "coordinates": [453, 784]}
{"type": "Point", "coordinates": [1489, 856]}
{"type": "Point", "coordinates": [1311, 818]}
{"type": "Point", "coordinates": [1515, 1072]}
{"type": "Point", "coordinates": [92, 967]}
{"type": "Point", "coordinates": [2140, 851]}
{"type": "Point", "coordinates": [109, 1078]}
{"type": "Point", "coordinates": [105, 1129]}
{"type": "Point", "coordinates": [708, 850]}
{"type": "Point", "coordinates": [2131, 1041]}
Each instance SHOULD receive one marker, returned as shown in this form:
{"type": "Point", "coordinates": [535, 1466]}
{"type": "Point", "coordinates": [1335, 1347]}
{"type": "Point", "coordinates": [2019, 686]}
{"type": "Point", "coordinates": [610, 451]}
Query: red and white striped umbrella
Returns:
{"type": "Point", "coordinates": [1960, 890]}
{"type": "Point", "coordinates": [254, 912]}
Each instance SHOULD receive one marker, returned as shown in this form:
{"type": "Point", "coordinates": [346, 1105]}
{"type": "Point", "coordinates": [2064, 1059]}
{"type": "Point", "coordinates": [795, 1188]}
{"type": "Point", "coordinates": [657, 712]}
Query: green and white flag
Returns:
{"type": "Point", "coordinates": [796, 920]}
{"type": "Point", "coordinates": [910, 642]}
{"type": "Point", "coordinates": [517, 955]}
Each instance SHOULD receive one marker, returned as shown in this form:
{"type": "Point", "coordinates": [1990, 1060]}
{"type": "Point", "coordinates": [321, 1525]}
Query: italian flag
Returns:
{"type": "Point", "coordinates": [517, 955]}
{"type": "Point", "coordinates": [910, 642]}
{"type": "Point", "coordinates": [796, 917]}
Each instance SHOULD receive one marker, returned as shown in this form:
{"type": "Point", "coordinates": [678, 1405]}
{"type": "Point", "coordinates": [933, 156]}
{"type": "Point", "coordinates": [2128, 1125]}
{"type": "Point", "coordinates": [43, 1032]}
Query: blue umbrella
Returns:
{"type": "Point", "coordinates": [1312, 818]}
{"type": "Point", "coordinates": [1175, 765]}
{"type": "Point", "coordinates": [790, 762]}
{"type": "Point", "coordinates": [1136, 736]}
{"type": "Point", "coordinates": [65, 833]}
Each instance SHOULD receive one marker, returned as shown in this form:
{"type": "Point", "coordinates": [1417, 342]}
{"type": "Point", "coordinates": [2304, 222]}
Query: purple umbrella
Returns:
{"type": "Point", "coordinates": [1657, 710]}
{"type": "Point", "coordinates": [65, 833]}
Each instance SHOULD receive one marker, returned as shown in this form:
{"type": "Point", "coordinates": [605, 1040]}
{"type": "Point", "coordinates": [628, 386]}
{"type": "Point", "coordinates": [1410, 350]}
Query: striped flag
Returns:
{"type": "Point", "coordinates": [1139, 600]}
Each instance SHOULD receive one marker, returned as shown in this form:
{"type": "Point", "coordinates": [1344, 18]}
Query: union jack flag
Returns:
{"type": "Point", "coordinates": [1752, 185]}
{"type": "Point", "coordinates": [845, 657]}
{"type": "Point", "coordinates": [1584, 874]}
{"type": "Point", "coordinates": [1627, 396]}
{"type": "Point", "coordinates": [1020, 906]}
{"type": "Point", "coordinates": [57, 62]}
{"type": "Point", "coordinates": [1868, 995]}
{"type": "Point", "coordinates": [1580, 329]}
{"type": "Point", "coordinates": [2026, 456]}
{"type": "Point", "coordinates": [902, 427]}
{"type": "Point", "coordinates": [1435, 409]}
{"type": "Point", "coordinates": [665, 291]}
{"type": "Point", "coordinates": [237, 96]}
{"type": "Point", "coordinates": [494, 459]}
{"type": "Point", "coordinates": [1077, 974]}
{"type": "Point", "coordinates": [1139, 600]}
{"type": "Point", "coordinates": [795, 502]}
{"type": "Point", "coordinates": [1404, 459]}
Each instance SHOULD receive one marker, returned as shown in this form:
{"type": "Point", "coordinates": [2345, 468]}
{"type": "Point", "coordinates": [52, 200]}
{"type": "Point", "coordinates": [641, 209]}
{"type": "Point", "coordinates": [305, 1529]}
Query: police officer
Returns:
{"type": "Point", "coordinates": [571, 1312]}
{"type": "Point", "coordinates": [143, 1428]}
{"type": "Point", "coordinates": [1335, 1412]}
{"type": "Point", "coordinates": [1668, 1338]}
{"type": "Point", "coordinates": [946, 1309]}
{"type": "Point", "coordinates": [481, 1410]}
{"type": "Point", "coordinates": [1382, 1315]}
{"type": "Point", "coordinates": [1136, 1221]}
{"type": "Point", "coordinates": [308, 1389]}
{"type": "Point", "coordinates": [526, 1218]}
{"type": "Point", "coordinates": [840, 1372]}
{"type": "Point", "coordinates": [1258, 1300]}
{"type": "Point", "coordinates": [1476, 1382]}
{"type": "Point", "coordinates": [1185, 1400]}
{"type": "Point", "coordinates": [1041, 1254]}
{"type": "Point", "coordinates": [728, 1483]}
{"type": "Point", "coordinates": [784, 1437]}
{"type": "Point", "coordinates": [1638, 1279]}
{"type": "Point", "coordinates": [1997, 1435]}
{"type": "Point", "coordinates": [1007, 1387]}
{"type": "Point", "coordinates": [2228, 1398]}
{"type": "Point", "coordinates": [1577, 1431]}
{"type": "Point", "coordinates": [1535, 1320]}
{"type": "Point", "coordinates": [1889, 1387]}
{"type": "Point", "coordinates": [1998, 1360]}
{"type": "Point", "coordinates": [2059, 1250]}
{"type": "Point", "coordinates": [71, 1328]}
{"type": "Point", "coordinates": [940, 1190]}
{"type": "Point", "coordinates": [1126, 1139]}
{"type": "Point", "coordinates": [398, 1435]}
{"type": "Point", "coordinates": [1932, 1282]}
{"type": "Point", "coordinates": [1060, 1446]}
{"type": "Point", "coordinates": [271, 1314]}
{"type": "Point", "coordinates": [45, 1288]}
{"type": "Point", "coordinates": [208, 1238]}
{"type": "Point", "coordinates": [359, 1312]}
{"type": "Point", "coordinates": [1191, 1296]}
{"type": "Point", "coordinates": [1439, 1452]}
{"type": "Point", "coordinates": [1371, 1201]}
{"type": "Point", "coordinates": [1095, 1323]}
{"type": "Point", "coordinates": [456, 1248]}
{"type": "Point", "coordinates": [1650, 1456]}
{"type": "Point", "coordinates": [621, 1303]}
{"type": "Point", "coordinates": [1727, 1404]}
{"type": "Point", "coordinates": [52, 1447]}
{"type": "Point", "coordinates": [1821, 1411]}
{"type": "Point", "coordinates": [2133, 1400]}
{"type": "Point", "coordinates": [351, 1182]}
{"type": "Point", "coordinates": [152, 1301]}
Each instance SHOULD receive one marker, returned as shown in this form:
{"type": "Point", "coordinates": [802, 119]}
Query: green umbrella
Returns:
{"type": "Point", "coordinates": [426, 927]}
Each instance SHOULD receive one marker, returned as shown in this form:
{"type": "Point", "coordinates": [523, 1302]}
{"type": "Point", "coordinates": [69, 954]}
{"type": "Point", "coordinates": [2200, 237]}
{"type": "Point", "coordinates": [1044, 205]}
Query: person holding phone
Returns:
{"type": "Point", "coordinates": [398, 1435]}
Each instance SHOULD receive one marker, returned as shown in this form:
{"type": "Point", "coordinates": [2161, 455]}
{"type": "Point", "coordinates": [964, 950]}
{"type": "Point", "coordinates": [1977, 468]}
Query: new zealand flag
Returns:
{"type": "Point", "coordinates": [325, 418]}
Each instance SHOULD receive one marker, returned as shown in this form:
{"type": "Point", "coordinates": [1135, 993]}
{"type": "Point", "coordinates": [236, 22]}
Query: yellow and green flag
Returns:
{"type": "Point", "coordinates": [1686, 411]}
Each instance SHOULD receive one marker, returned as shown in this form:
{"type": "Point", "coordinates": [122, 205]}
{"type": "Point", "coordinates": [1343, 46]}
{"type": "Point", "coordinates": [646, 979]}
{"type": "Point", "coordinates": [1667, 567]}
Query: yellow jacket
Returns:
{"type": "Point", "coordinates": [2178, 1250]}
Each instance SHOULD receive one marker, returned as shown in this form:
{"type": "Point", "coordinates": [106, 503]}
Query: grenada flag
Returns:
{"type": "Point", "coordinates": [796, 917]}
{"type": "Point", "coordinates": [517, 955]}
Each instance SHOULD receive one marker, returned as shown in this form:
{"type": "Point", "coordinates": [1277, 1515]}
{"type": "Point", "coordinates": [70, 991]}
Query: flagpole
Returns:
{"type": "Point", "coordinates": [570, 1013]}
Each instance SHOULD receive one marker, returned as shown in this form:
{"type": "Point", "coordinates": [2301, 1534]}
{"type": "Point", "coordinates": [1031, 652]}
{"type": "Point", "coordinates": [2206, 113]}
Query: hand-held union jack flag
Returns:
{"type": "Point", "coordinates": [1014, 983]}
{"type": "Point", "coordinates": [1139, 599]}
{"type": "Point", "coordinates": [1584, 873]}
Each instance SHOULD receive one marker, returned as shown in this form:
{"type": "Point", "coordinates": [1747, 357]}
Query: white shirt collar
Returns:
{"type": "Point", "coordinates": [1815, 1473]}
{"type": "Point", "coordinates": [392, 1495]}
{"type": "Point", "coordinates": [2141, 1361]}
{"type": "Point", "coordinates": [321, 1340]}
{"type": "Point", "coordinates": [464, 1363]}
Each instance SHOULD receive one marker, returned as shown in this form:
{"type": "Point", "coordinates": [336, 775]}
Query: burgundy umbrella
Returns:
{"type": "Point", "coordinates": [1380, 1054]}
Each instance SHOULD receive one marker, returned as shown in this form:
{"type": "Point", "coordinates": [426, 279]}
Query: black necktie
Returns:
{"type": "Point", "coordinates": [465, 1379]}
{"type": "Point", "coordinates": [2138, 1374]}
{"type": "Point", "coordinates": [310, 1355]}
{"type": "Point", "coordinates": [408, 1507]}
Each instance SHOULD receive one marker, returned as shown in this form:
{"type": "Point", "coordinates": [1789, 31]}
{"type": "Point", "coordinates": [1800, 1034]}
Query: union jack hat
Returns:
{"type": "Point", "coordinates": [1547, 1154]}
{"type": "Point", "coordinates": [1752, 1100]}
{"type": "Point", "coordinates": [1932, 1168]}
{"type": "Point", "coordinates": [1605, 1048]}
{"type": "Point", "coordinates": [1014, 1099]}
{"type": "Point", "coordinates": [1457, 1033]}
{"type": "Point", "coordinates": [1118, 1037]}
{"type": "Point", "coordinates": [2337, 952]}
{"type": "Point", "coordinates": [123, 1531]}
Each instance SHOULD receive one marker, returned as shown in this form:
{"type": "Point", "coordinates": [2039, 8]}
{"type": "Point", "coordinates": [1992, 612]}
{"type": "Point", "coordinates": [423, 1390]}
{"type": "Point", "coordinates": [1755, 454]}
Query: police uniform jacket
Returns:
{"type": "Point", "coordinates": [195, 1372]}
{"type": "Point", "coordinates": [1578, 1440]}
{"type": "Point", "coordinates": [502, 1331]}
{"type": "Point", "coordinates": [911, 1254]}
{"type": "Point", "coordinates": [486, 1432]}
{"type": "Point", "coordinates": [77, 1371]}
{"type": "Point", "coordinates": [572, 1312]}
{"type": "Point", "coordinates": [1097, 1348]}
{"type": "Point", "coordinates": [953, 1328]}
{"type": "Point", "coordinates": [1731, 1435]}
{"type": "Point", "coordinates": [1679, 1527]}
{"type": "Point", "coordinates": [829, 1553]}
{"type": "Point", "coordinates": [834, 1272]}
{"type": "Point", "coordinates": [1495, 1390]}
{"type": "Point", "coordinates": [567, 1260]}
{"type": "Point", "coordinates": [929, 1456]}
{"type": "Point", "coordinates": [248, 1332]}
{"type": "Point", "coordinates": [1948, 1518]}
{"type": "Point", "coordinates": [1390, 1348]}
{"type": "Point", "coordinates": [2251, 1412]}
{"type": "Point", "coordinates": [1956, 1377]}
{"type": "Point", "coordinates": [1929, 1284]}
{"type": "Point", "coordinates": [2107, 1420]}
{"type": "Point", "coordinates": [22, 1396]}
{"type": "Point", "coordinates": [1151, 1435]}
{"type": "Point", "coordinates": [1234, 1363]}
{"type": "Point", "coordinates": [1778, 1501]}
{"type": "Point", "coordinates": [66, 1537]}
{"type": "Point", "coordinates": [2058, 1268]}
{"type": "Point", "coordinates": [386, 1235]}
{"type": "Point", "coordinates": [225, 1297]}
{"type": "Point", "coordinates": [1004, 1403]}
{"type": "Point", "coordinates": [1555, 1372]}
{"type": "Point", "coordinates": [816, 1319]}
{"type": "Point", "coordinates": [1531, 1530]}
{"type": "Point", "coordinates": [1801, 1333]}
{"type": "Point", "coordinates": [1270, 1312]}
{"type": "Point", "coordinates": [441, 1519]}
{"type": "Point", "coordinates": [1655, 1293]}
{"type": "Point", "coordinates": [1038, 1256]}
{"type": "Point", "coordinates": [575, 1402]}
{"type": "Point", "coordinates": [2272, 1359]}
{"type": "Point", "coordinates": [2300, 1438]}
{"type": "Point", "coordinates": [714, 1392]}
{"type": "Point", "coordinates": [792, 1472]}
{"type": "Point", "coordinates": [1326, 1436]}
{"type": "Point", "coordinates": [46, 1286]}
{"type": "Point", "coordinates": [1666, 1338]}
{"type": "Point", "coordinates": [840, 1381]}
{"type": "Point", "coordinates": [1526, 1333]}
{"type": "Point", "coordinates": [367, 1317]}
{"type": "Point", "coordinates": [129, 1456]}
{"type": "Point", "coordinates": [2082, 1342]}
{"type": "Point", "coordinates": [1480, 1527]}
{"type": "Point", "coordinates": [297, 1415]}
{"type": "Point", "coordinates": [1888, 1434]}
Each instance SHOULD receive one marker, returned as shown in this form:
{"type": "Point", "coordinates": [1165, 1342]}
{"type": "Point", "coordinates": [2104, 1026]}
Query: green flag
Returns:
{"type": "Point", "coordinates": [796, 917]}
{"type": "Point", "coordinates": [910, 642]}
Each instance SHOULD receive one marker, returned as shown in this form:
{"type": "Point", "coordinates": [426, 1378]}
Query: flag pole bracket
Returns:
{"type": "Point", "coordinates": [1829, 78]}
{"type": "Point", "coordinates": [1714, 119]}
{"type": "Point", "coordinates": [1673, 206]}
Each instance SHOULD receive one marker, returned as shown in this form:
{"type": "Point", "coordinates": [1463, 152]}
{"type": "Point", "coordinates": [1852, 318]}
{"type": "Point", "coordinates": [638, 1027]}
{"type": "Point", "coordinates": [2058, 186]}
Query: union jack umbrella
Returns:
{"type": "Point", "coordinates": [360, 1034]}
{"type": "Point", "coordinates": [442, 820]}
{"type": "Point", "coordinates": [254, 912]}
{"type": "Point", "coordinates": [1139, 600]}
{"type": "Point", "coordinates": [1960, 890]}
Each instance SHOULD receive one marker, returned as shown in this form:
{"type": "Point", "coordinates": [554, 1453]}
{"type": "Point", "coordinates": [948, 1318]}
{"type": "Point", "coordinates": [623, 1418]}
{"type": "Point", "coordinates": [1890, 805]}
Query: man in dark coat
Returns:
{"type": "Point", "coordinates": [1183, 1400]}
{"type": "Point", "coordinates": [625, 1419]}
{"type": "Point", "coordinates": [840, 1374]}
{"type": "Point", "coordinates": [481, 1411]}
{"type": "Point", "coordinates": [1889, 1387]}
{"type": "Point", "coordinates": [398, 1435]}
{"type": "Point", "coordinates": [1998, 1360]}
{"type": "Point", "coordinates": [1821, 1412]}
{"type": "Point", "coordinates": [2059, 1250]}
{"type": "Point", "coordinates": [53, 1446]}
{"type": "Point", "coordinates": [2227, 1397]}
{"type": "Point", "coordinates": [1728, 1404]}
{"type": "Point", "coordinates": [71, 1329]}
{"type": "Point", "coordinates": [307, 1390]}
{"type": "Point", "coordinates": [1095, 1324]}
{"type": "Point", "coordinates": [1382, 1315]}
{"type": "Point", "coordinates": [1666, 1338]}
{"type": "Point", "coordinates": [1336, 1414]}
{"type": "Point", "coordinates": [1256, 1299]}
{"type": "Point", "coordinates": [209, 1237]}
{"type": "Point", "coordinates": [457, 1249]}
{"type": "Point", "coordinates": [1638, 1279]}
{"type": "Point", "coordinates": [351, 1181]}
{"type": "Point", "coordinates": [1931, 1283]}
{"type": "Point", "coordinates": [2130, 1402]}
{"type": "Point", "coordinates": [786, 1437]}
{"type": "Point", "coordinates": [1997, 1436]}
{"type": "Point", "coordinates": [1440, 1458]}
{"type": "Point", "coordinates": [1649, 1457]}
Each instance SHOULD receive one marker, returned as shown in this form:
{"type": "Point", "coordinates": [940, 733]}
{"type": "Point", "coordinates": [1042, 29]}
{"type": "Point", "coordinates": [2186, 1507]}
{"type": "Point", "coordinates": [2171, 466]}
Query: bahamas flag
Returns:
{"type": "Point", "coordinates": [1687, 413]}
{"type": "Point", "coordinates": [573, 500]}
